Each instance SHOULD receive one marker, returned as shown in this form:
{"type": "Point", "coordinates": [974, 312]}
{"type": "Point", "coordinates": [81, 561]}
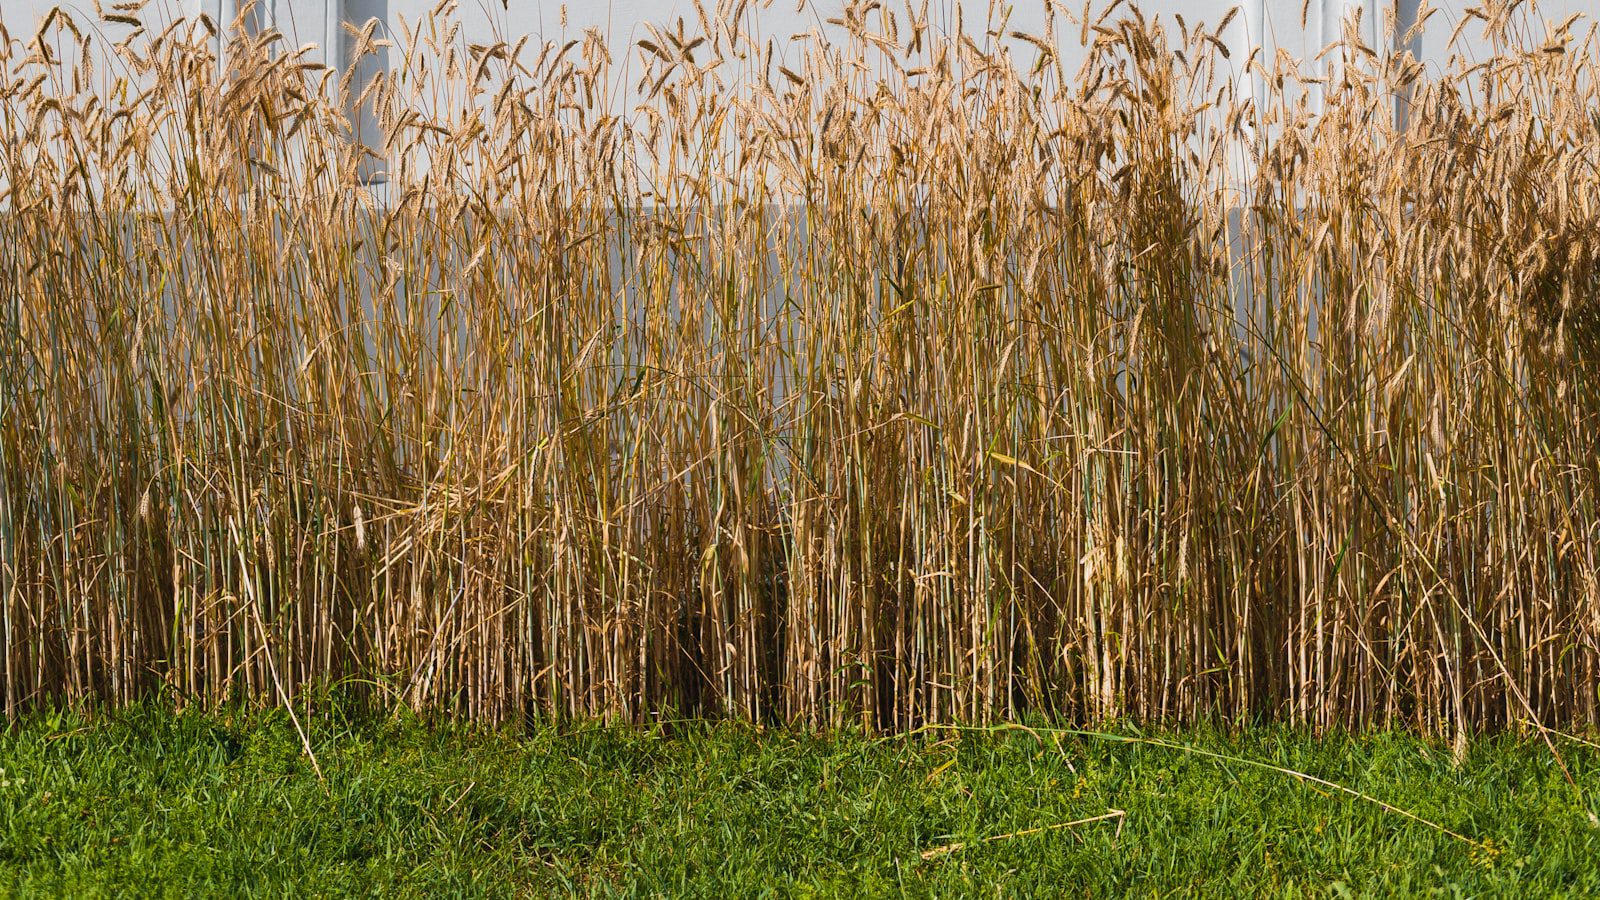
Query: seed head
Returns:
{"type": "Point", "coordinates": [360, 527]}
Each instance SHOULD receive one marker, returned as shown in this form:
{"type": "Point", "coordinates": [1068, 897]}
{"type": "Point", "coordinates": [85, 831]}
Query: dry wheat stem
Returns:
{"type": "Point", "coordinates": [909, 378]}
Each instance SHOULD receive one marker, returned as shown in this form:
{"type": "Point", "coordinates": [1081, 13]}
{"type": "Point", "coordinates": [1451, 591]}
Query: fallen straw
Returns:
{"type": "Point", "coordinates": [952, 848]}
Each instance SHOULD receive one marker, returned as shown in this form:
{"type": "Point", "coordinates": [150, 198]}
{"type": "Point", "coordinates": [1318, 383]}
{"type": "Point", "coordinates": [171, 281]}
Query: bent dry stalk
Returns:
{"type": "Point", "coordinates": [900, 383]}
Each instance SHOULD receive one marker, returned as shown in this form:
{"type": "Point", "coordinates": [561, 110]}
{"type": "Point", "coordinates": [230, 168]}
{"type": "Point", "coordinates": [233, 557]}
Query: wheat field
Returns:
{"type": "Point", "coordinates": [912, 382]}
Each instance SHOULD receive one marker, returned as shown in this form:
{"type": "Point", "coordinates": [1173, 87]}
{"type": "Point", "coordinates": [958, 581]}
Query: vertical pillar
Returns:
{"type": "Point", "coordinates": [1405, 18]}
{"type": "Point", "coordinates": [223, 14]}
{"type": "Point", "coordinates": [1243, 36]}
{"type": "Point", "coordinates": [364, 127]}
{"type": "Point", "coordinates": [320, 22]}
{"type": "Point", "coordinates": [1330, 27]}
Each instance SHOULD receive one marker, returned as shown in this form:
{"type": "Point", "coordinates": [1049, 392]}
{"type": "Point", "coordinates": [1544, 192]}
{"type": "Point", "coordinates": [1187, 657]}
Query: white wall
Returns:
{"type": "Point", "coordinates": [1274, 23]}
{"type": "Point", "coordinates": [1270, 24]}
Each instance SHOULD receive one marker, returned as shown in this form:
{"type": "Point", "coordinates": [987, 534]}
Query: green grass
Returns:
{"type": "Point", "coordinates": [153, 802]}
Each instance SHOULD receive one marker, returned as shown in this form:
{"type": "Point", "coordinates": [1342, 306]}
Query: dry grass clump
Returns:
{"type": "Point", "coordinates": [901, 382]}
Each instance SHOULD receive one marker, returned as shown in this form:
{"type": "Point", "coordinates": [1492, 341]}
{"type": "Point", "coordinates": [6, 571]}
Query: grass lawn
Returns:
{"type": "Point", "coordinates": [148, 802]}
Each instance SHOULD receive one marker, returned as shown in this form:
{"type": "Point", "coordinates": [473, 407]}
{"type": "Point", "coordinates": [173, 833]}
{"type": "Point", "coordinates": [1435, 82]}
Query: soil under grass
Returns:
{"type": "Point", "coordinates": [151, 802]}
